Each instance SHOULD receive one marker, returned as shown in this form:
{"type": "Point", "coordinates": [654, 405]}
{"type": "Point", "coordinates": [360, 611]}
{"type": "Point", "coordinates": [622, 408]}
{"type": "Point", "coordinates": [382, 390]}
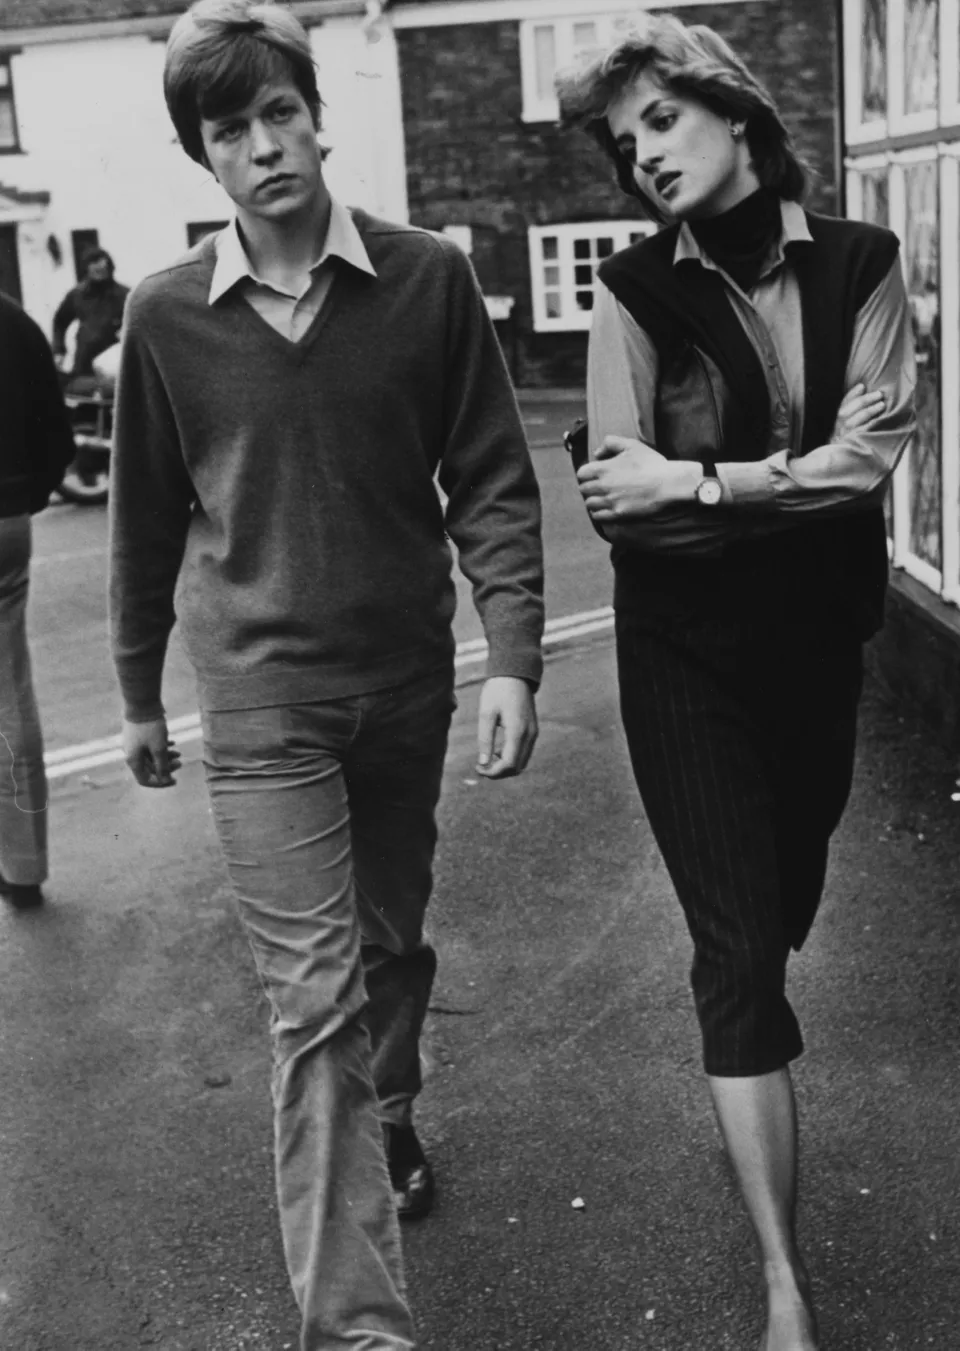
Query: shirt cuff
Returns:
{"type": "Point", "coordinates": [748, 484]}
{"type": "Point", "coordinates": [151, 712]}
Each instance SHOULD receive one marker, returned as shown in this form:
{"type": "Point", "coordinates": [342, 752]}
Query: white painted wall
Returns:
{"type": "Point", "coordinates": [359, 77]}
{"type": "Point", "coordinates": [97, 137]}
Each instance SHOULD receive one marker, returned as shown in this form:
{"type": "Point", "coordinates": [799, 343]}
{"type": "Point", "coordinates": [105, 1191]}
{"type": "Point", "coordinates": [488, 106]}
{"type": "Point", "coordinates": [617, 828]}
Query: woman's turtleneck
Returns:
{"type": "Point", "coordinates": [740, 240]}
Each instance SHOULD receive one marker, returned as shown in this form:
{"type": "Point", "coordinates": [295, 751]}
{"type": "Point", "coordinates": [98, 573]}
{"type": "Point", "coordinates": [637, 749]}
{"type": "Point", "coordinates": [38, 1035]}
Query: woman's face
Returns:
{"type": "Point", "coordinates": [687, 159]}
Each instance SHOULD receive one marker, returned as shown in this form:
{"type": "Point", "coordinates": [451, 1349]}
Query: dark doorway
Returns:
{"type": "Point", "coordinates": [10, 263]}
{"type": "Point", "coordinates": [199, 229]}
{"type": "Point", "coordinates": [82, 242]}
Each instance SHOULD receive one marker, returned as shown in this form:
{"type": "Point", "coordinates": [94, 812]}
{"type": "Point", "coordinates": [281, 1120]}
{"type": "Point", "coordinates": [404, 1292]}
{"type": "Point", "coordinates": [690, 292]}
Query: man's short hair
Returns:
{"type": "Point", "coordinates": [222, 52]}
{"type": "Point", "coordinates": [691, 60]}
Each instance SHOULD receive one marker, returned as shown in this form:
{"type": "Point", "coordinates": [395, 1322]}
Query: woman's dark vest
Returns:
{"type": "Point", "coordinates": [712, 399]}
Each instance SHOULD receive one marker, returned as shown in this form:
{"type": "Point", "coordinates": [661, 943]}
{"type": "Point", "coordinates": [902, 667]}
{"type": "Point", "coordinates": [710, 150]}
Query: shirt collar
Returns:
{"type": "Point", "coordinates": [343, 240]}
{"type": "Point", "coordinates": [795, 231]}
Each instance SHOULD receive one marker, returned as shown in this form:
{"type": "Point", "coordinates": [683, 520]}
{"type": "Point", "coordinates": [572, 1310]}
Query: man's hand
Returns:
{"type": "Point", "coordinates": [151, 753]}
{"type": "Point", "coordinates": [630, 479]}
{"type": "Point", "coordinates": [506, 727]}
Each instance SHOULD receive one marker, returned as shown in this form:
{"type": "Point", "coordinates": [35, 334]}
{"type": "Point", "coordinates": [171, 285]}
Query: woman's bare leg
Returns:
{"type": "Point", "coordinates": [758, 1118]}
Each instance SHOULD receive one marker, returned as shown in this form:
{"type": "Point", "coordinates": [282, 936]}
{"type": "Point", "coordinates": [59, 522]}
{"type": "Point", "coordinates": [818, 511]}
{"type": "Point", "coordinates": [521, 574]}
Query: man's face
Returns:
{"type": "Point", "coordinates": [98, 270]}
{"type": "Point", "coordinates": [266, 157]}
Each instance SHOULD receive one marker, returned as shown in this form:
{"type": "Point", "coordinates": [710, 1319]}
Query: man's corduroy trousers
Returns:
{"type": "Point", "coordinates": [23, 783]}
{"type": "Point", "coordinates": [326, 819]}
{"type": "Point", "coordinates": [742, 733]}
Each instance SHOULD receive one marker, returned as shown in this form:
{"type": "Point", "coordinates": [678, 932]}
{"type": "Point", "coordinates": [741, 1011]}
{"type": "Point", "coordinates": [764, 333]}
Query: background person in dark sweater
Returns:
{"type": "Point", "coordinates": [36, 445]}
{"type": "Point", "coordinates": [95, 305]}
{"type": "Point", "coordinates": [287, 394]}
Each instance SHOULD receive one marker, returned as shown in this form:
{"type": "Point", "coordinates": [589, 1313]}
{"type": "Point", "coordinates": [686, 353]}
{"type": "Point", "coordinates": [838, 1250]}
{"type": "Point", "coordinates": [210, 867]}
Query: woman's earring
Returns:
{"type": "Point", "coordinates": [736, 130]}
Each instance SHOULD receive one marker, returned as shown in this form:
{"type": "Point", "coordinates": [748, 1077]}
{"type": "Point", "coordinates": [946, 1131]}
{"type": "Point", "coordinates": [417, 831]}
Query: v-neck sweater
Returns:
{"type": "Point", "coordinates": [278, 498]}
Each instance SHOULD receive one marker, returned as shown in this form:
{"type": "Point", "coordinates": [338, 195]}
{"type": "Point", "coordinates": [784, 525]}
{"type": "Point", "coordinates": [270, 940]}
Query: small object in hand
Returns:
{"type": "Point", "coordinates": [577, 443]}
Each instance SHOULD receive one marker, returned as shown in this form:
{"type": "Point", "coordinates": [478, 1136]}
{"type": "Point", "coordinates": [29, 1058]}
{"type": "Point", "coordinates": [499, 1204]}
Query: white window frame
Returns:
{"type": "Point", "coordinates": [913, 565]}
{"type": "Point", "coordinates": [856, 167]}
{"type": "Point", "coordinates": [945, 581]}
{"type": "Point", "coordinates": [858, 132]}
{"type": "Point", "coordinates": [898, 121]}
{"type": "Point", "coordinates": [537, 108]}
{"type": "Point", "coordinates": [571, 319]}
{"type": "Point", "coordinates": [15, 146]}
{"type": "Point", "coordinates": [950, 367]}
{"type": "Point", "coordinates": [949, 63]}
{"type": "Point", "coordinates": [903, 123]}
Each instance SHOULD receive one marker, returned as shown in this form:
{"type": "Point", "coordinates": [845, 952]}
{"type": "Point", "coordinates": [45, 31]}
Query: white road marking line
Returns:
{"type": "Point", "coordinates": [106, 750]}
{"type": "Point", "coordinates": [68, 557]}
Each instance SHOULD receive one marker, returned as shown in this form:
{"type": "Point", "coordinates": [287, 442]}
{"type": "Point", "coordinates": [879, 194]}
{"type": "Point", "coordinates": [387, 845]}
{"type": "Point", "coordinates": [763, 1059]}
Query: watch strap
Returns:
{"type": "Point", "coordinates": [709, 467]}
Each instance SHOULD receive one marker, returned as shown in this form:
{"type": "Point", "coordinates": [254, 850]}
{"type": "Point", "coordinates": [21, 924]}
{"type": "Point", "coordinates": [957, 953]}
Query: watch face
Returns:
{"type": "Point", "coordinates": [709, 492]}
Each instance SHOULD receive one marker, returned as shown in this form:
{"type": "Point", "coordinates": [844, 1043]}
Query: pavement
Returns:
{"type": "Point", "coordinates": [136, 1191]}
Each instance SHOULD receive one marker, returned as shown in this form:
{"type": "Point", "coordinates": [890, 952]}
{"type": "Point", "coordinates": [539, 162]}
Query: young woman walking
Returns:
{"type": "Point", "coordinates": [750, 392]}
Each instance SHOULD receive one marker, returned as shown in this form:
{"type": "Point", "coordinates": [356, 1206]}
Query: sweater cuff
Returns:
{"type": "Point", "coordinates": [141, 694]}
{"type": "Point", "coordinates": [516, 654]}
{"type": "Point", "coordinates": [143, 712]}
{"type": "Point", "coordinates": [748, 484]}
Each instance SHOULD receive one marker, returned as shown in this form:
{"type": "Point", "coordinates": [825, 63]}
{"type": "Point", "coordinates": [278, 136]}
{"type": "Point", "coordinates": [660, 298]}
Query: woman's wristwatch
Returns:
{"type": "Point", "coordinates": [709, 491]}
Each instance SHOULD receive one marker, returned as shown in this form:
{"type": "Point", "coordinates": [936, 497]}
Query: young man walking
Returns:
{"type": "Point", "coordinates": [287, 393]}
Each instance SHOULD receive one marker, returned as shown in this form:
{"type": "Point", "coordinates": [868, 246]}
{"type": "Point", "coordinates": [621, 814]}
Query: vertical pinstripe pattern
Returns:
{"type": "Point", "coordinates": [742, 737]}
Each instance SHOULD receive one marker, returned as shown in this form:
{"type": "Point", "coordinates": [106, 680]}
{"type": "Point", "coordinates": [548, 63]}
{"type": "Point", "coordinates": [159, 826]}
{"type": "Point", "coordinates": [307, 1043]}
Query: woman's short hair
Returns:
{"type": "Point", "coordinates": [222, 52]}
{"type": "Point", "coordinates": [691, 60]}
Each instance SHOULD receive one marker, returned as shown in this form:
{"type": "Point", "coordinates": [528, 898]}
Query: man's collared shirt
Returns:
{"type": "Point", "coordinates": [291, 315]}
{"type": "Point", "coordinates": [622, 382]}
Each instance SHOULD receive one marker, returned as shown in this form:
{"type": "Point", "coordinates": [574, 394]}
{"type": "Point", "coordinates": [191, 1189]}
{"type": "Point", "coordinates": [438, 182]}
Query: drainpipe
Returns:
{"type": "Point", "coordinates": [375, 10]}
{"type": "Point", "coordinates": [840, 122]}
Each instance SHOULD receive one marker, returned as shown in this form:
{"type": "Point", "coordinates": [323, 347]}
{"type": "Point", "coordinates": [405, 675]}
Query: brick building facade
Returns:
{"type": "Point", "coordinates": [479, 156]}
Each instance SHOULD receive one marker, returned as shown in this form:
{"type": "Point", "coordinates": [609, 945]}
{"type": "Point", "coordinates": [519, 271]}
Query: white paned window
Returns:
{"type": "Point", "coordinates": [9, 140]}
{"type": "Point", "coordinates": [549, 44]}
{"type": "Point", "coordinates": [949, 62]}
{"type": "Point", "coordinates": [563, 266]}
{"type": "Point", "coordinates": [903, 171]}
{"type": "Point", "coordinates": [900, 67]}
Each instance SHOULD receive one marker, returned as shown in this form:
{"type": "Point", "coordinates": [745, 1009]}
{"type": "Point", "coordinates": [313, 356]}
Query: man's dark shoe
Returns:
{"type": "Point", "coordinates": [21, 897]}
{"type": "Point", "coordinates": [410, 1173]}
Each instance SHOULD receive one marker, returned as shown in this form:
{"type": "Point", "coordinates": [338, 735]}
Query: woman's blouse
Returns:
{"type": "Point", "coordinates": [849, 474]}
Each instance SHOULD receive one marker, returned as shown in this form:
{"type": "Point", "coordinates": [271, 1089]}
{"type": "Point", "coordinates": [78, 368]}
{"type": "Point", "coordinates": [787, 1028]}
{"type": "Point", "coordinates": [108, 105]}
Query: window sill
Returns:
{"type": "Point", "coordinates": [540, 116]}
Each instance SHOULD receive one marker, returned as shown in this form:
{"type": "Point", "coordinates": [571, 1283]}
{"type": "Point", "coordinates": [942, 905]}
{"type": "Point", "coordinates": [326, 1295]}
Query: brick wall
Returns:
{"type": "Point", "coordinates": [471, 160]}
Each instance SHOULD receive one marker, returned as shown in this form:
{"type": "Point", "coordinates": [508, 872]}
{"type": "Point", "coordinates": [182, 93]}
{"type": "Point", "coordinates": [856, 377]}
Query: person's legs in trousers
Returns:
{"type": "Point", "coordinates": [393, 777]}
{"type": "Point", "coordinates": [280, 804]}
{"type": "Point", "coordinates": [23, 784]}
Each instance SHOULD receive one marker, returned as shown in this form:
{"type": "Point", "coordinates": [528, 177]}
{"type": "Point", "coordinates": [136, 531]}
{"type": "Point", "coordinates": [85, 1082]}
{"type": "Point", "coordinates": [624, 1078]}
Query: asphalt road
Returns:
{"type": "Point", "coordinates": [136, 1201]}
